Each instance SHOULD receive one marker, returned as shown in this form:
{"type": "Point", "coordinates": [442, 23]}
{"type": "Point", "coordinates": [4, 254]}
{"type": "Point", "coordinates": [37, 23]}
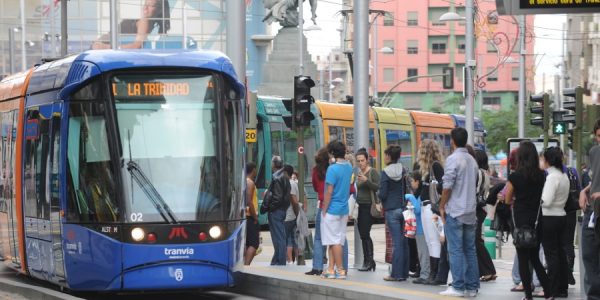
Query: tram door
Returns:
{"type": "Point", "coordinates": [41, 192]}
{"type": "Point", "coordinates": [8, 211]}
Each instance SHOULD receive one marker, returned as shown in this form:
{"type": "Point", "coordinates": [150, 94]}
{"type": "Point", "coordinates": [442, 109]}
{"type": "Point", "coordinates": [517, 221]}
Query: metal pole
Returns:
{"type": "Point", "coordinates": [375, 50]}
{"type": "Point", "coordinates": [330, 79]}
{"type": "Point", "coordinates": [236, 36]}
{"type": "Point", "coordinates": [114, 26]}
{"type": "Point", "coordinates": [184, 26]}
{"type": "Point", "coordinates": [470, 49]}
{"type": "Point", "coordinates": [23, 29]}
{"type": "Point", "coordinates": [301, 35]}
{"type": "Point", "coordinates": [63, 28]}
{"type": "Point", "coordinates": [321, 83]}
{"type": "Point", "coordinates": [522, 83]}
{"type": "Point", "coordinates": [360, 42]}
{"type": "Point", "coordinates": [11, 49]}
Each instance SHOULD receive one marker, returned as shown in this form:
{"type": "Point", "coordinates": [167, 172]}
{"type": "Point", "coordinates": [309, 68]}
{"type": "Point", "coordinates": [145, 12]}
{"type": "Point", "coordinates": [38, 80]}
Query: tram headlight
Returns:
{"type": "Point", "coordinates": [137, 234]}
{"type": "Point", "coordinates": [215, 232]}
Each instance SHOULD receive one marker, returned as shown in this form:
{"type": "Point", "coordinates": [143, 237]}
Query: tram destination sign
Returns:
{"type": "Point", "coordinates": [532, 7]}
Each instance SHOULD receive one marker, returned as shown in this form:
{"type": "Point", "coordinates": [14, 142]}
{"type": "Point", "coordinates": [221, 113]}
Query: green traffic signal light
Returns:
{"type": "Point", "coordinates": [559, 128]}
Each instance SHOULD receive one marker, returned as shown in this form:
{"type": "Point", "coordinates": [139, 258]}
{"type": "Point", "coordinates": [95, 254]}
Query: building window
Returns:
{"type": "Point", "coordinates": [389, 44]}
{"type": "Point", "coordinates": [493, 75]}
{"type": "Point", "coordinates": [388, 74]}
{"type": "Point", "coordinates": [388, 19]}
{"type": "Point", "coordinates": [436, 69]}
{"type": "Point", "coordinates": [514, 74]}
{"type": "Point", "coordinates": [491, 101]}
{"type": "Point", "coordinates": [438, 48]}
{"type": "Point", "coordinates": [412, 47]}
{"type": "Point", "coordinates": [517, 47]}
{"type": "Point", "coordinates": [434, 15]}
{"type": "Point", "coordinates": [412, 73]}
{"type": "Point", "coordinates": [412, 18]}
{"type": "Point", "coordinates": [461, 47]}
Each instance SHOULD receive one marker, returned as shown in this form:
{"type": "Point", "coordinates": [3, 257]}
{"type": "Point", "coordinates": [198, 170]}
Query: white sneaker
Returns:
{"type": "Point", "coordinates": [471, 293]}
{"type": "Point", "coordinates": [451, 291]}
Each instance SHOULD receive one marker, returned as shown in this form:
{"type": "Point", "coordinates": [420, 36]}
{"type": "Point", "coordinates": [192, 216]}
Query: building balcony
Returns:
{"type": "Point", "coordinates": [438, 58]}
{"type": "Point", "coordinates": [439, 3]}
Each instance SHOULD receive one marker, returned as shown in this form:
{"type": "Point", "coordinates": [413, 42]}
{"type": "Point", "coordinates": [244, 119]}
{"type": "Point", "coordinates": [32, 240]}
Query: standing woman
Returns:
{"type": "Point", "coordinates": [391, 193]}
{"type": "Point", "coordinates": [367, 185]}
{"type": "Point", "coordinates": [431, 160]}
{"type": "Point", "coordinates": [318, 181]}
{"type": "Point", "coordinates": [487, 271]}
{"type": "Point", "coordinates": [554, 222]}
{"type": "Point", "coordinates": [526, 184]}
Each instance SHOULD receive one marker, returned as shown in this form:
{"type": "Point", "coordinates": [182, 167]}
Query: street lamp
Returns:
{"type": "Point", "coordinates": [469, 64]}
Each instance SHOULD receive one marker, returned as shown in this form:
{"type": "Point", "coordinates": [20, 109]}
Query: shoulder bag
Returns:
{"type": "Point", "coordinates": [376, 207]}
{"type": "Point", "coordinates": [525, 236]}
{"type": "Point", "coordinates": [434, 196]}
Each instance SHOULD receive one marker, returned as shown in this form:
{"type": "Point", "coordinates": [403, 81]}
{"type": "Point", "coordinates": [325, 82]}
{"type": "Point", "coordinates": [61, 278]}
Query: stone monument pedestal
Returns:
{"type": "Point", "coordinates": [283, 64]}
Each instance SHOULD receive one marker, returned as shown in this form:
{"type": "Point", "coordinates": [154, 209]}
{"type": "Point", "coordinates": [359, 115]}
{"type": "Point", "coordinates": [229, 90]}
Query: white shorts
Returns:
{"type": "Point", "coordinates": [333, 229]}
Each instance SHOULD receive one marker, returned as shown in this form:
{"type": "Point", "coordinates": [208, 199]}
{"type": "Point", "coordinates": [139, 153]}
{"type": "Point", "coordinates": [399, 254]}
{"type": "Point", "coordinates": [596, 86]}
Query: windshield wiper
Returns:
{"type": "Point", "coordinates": [161, 206]}
{"type": "Point", "coordinates": [159, 203]}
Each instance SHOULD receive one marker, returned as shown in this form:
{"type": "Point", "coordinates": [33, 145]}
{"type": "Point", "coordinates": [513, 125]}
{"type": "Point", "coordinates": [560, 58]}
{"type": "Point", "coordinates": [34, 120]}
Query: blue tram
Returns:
{"type": "Point", "coordinates": [123, 171]}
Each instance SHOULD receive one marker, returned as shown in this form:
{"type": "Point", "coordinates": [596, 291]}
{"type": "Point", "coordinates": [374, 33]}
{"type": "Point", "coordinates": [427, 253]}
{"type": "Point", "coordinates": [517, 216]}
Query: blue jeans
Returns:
{"type": "Point", "coordinates": [462, 253]}
{"type": "Point", "coordinates": [400, 255]}
{"type": "Point", "coordinates": [290, 234]}
{"type": "Point", "coordinates": [318, 246]}
{"type": "Point", "coordinates": [277, 229]}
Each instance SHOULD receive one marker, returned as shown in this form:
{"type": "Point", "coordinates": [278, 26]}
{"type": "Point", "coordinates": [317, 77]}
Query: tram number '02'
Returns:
{"type": "Point", "coordinates": [137, 217]}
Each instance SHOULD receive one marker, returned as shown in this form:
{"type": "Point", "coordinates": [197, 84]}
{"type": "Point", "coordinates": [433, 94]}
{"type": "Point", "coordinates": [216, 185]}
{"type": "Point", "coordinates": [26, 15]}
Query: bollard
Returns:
{"type": "Point", "coordinates": [489, 238]}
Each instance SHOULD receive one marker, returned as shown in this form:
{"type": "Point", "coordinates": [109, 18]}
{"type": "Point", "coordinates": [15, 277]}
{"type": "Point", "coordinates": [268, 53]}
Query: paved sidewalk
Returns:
{"type": "Point", "coordinates": [372, 283]}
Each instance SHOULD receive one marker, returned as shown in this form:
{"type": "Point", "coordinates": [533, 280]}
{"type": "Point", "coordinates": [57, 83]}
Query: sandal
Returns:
{"type": "Point", "coordinates": [539, 295]}
{"type": "Point", "coordinates": [488, 278]}
{"type": "Point", "coordinates": [328, 274]}
{"type": "Point", "coordinates": [341, 274]}
{"type": "Point", "coordinates": [518, 288]}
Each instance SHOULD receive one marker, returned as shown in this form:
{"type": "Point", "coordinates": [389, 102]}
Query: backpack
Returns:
{"type": "Point", "coordinates": [480, 194]}
{"type": "Point", "coordinates": [572, 203]}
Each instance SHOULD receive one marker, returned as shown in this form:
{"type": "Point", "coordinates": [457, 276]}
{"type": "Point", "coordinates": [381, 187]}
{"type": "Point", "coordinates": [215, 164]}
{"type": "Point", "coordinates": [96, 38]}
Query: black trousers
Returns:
{"type": "Point", "coordinates": [414, 264]}
{"type": "Point", "coordinates": [590, 252]}
{"type": "Point", "coordinates": [553, 228]}
{"type": "Point", "coordinates": [527, 257]}
{"type": "Point", "coordinates": [444, 265]}
{"type": "Point", "coordinates": [484, 260]}
{"type": "Point", "coordinates": [365, 221]}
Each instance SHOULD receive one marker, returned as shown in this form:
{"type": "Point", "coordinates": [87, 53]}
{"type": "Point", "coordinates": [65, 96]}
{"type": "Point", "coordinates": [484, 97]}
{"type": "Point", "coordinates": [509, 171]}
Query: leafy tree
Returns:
{"type": "Point", "coordinates": [502, 125]}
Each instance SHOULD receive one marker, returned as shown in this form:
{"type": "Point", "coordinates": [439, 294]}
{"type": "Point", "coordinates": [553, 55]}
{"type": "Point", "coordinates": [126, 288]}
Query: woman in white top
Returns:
{"type": "Point", "coordinates": [554, 197]}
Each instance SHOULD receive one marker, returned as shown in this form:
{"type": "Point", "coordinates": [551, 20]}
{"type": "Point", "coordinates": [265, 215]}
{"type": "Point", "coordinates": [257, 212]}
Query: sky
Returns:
{"type": "Point", "coordinates": [548, 30]}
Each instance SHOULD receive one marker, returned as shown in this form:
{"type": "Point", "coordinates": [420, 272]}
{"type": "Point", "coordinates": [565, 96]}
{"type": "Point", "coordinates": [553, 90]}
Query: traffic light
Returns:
{"type": "Point", "coordinates": [448, 82]}
{"type": "Point", "coordinates": [290, 121]}
{"type": "Point", "coordinates": [575, 105]}
{"type": "Point", "coordinates": [303, 100]}
{"type": "Point", "coordinates": [543, 110]}
{"type": "Point", "coordinates": [559, 123]}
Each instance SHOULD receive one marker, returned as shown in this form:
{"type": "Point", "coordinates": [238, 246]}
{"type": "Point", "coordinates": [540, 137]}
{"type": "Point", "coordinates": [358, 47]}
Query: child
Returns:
{"type": "Point", "coordinates": [421, 245]}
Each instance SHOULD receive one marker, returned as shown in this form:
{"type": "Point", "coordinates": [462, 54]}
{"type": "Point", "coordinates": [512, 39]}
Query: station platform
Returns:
{"type": "Point", "coordinates": [289, 282]}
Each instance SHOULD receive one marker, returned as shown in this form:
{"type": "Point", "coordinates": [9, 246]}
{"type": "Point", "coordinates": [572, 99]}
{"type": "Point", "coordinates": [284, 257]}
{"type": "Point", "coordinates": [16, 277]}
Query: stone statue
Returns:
{"type": "Point", "coordinates": [286, 12]}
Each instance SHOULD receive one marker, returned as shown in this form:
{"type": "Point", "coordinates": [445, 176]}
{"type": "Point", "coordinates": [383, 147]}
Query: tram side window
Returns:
{"type": "Point", "coordinates": [8, 121]}
{"type": "Point", "coordinates": [402, 139]}
{"type": "Point", "coordinates": [91, 186]}
{"type": "Point", "coordinates": [36, 157]}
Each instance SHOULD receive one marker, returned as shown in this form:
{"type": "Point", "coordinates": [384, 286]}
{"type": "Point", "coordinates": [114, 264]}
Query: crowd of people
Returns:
{"type": "Point", "coordinates": [450, 198]}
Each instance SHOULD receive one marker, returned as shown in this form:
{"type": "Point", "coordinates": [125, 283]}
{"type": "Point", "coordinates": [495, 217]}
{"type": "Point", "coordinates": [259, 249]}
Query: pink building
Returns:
{"type": "Point", "coordinates": [422, 45]}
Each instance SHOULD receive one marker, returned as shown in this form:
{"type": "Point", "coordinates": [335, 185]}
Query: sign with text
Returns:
{"type": "Point", "coordinates": [534, 7]}
{"type": "Point", "coordinates": [559, 3]}
{"type": "Point", "coordinates": [153, 87]}
{"type": "Point", "coordinates": [250, 135]}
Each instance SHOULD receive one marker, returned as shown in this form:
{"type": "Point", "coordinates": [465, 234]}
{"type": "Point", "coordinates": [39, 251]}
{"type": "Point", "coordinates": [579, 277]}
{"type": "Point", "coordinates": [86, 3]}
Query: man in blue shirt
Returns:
{"type": "Point", "coordinates": [458, 211]}
{"type": "Point", "coordinates": [335, 209]}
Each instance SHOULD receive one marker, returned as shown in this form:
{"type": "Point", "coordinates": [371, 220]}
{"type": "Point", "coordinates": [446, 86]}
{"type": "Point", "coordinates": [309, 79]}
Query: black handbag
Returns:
{"type": "Point", "coordinates": [434, 196]}
{"type": "Point", "coordinates": [572, 203]}
{"type": "Point", "coordinates": [525, 236]}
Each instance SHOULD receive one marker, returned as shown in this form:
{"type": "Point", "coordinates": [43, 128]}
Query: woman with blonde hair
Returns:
{"type": "Point", "coordinates": [430, 161]}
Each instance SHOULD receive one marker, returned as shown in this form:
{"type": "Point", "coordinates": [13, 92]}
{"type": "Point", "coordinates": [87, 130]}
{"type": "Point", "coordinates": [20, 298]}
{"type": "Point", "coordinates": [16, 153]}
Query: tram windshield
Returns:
{"type": "Point", "coordinates": [168, 133]}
